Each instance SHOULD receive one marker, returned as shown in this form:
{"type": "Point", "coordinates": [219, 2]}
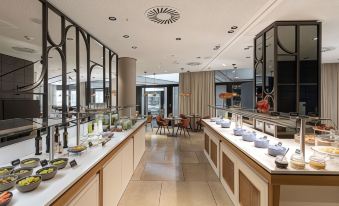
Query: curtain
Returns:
{"type": "Point", "coordinates": [202, 88]}
{"type": "Point", "coordinates": [329, 91]}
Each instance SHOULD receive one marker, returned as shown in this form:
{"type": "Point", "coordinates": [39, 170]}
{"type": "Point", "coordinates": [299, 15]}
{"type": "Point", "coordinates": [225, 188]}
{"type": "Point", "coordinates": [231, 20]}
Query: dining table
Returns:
{"type": "Point", "coordinates": [173, 120]}
{"type": "Point", "coordinates": [193, 121]}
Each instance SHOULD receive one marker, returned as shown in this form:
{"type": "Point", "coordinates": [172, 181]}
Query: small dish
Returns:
{"type": "Point", "coordinates": [77, 149]}
{"type": "Point", "coordinates": [238, 131]}
{"type": "Point", "coordinates": [6, 170]}
{"type": "Point", "coordinates": [226, 123]}
{"type": "Point", "coordinates": [28, 184]}
{"type": "Point", "coordinates": [249, 136]}
{"type": "Point", "coordinates": [5, 198]}
{"type": "Point", "coordinates": [47, 173]}
{"type": "Point", "coordinates": [297, 161]}
{"type": "Point", "coordinates": [23, 172]}
{"type": "Point", "coordinates": [275, 150]}
{"type": "Point", "coordinates": [317, 162]}
{"type": "Point", "coordinates": [261, 142]}
{"type": "Point", "coordinates": [281, 162]}
{"type": "Point", "coordinates": [60, 163]}
{"type": "Point", "coordinates": [30, 162]}
{"type": "Point", "coordinates": [7, 182]}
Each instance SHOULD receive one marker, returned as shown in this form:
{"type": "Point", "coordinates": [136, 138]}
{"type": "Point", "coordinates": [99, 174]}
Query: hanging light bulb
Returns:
{"type": "Point", "coordinates": [187, 93]}
{"type": "Point", "coordinates": [145, 93]}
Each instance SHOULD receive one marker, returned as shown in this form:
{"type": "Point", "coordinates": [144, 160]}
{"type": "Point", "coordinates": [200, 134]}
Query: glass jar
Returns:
{"type": "Point", "coordinates": [317, 162]}
{"type": "Point", "coordinates": [297, 161]}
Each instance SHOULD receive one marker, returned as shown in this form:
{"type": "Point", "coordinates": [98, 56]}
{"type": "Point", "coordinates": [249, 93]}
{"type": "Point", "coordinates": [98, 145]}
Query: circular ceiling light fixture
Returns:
{"type": "Point", "coordinates": [112, 18]}
{"type": "Point", "coordinates": [24, 49]}
{"type": "Point", "coordinates": [234, 27]}
{"type": "Point", "coordinates": [134, 47]}
{"type": "Point", "coordinates": [126, 36]}
{"type": "Point", "coordinates": [178, 39]}
{"type": "Point", "coordinates": [163, 14]}
{"type": "Point", "coordinates": [230, 31]}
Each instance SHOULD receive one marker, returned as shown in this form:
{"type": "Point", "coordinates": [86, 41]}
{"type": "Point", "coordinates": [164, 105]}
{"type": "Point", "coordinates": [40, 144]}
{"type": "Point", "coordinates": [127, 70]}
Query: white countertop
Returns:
{"type": "Point", "coordinates": [261, 156]}
{"type": "Point", "coordinates": [50, 190]}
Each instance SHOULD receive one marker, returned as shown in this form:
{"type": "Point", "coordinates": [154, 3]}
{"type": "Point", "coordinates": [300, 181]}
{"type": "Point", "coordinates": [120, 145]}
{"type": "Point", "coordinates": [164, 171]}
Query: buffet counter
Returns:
{"type": "Point", "coordinates": [100, 177]}
{"type": "Point", "coordinates": [250, 176]}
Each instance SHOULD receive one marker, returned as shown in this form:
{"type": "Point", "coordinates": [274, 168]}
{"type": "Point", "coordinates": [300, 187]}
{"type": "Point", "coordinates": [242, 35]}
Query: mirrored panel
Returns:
{"type": "Point", "coordinates": [286, 39]}
{"type": "Point", "coordinates": [97, 75]}
{"type": "Point", "coordinates": [259, 82]}
{"type": "Point", "coordinates": [259, 48]}
{"type": "Point", "coordinates": [269, 61]}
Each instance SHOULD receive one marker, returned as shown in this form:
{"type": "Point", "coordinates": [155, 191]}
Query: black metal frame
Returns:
{"type": "Point", "coordinates": [48, 44]}
{"type": "Point", "coordinates": [274, 93]}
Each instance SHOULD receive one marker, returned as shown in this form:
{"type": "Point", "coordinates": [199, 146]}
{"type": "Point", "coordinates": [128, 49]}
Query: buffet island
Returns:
{"type": "Point", "coordinates": [95, 172]}
{"type": "Point", "coordinates": [257, 168]}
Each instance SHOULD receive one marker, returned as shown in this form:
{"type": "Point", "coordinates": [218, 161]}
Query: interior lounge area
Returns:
{"type": "Point", "coordinates": [169, 103]}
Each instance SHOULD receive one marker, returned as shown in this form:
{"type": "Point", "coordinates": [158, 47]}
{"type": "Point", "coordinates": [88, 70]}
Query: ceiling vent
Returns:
{"type": "Point", "coordinates": [193, 64]}
{"type": "Point", "coordinates": [163, 14]}
{"type": "Point", "coordinates": [24, 49]}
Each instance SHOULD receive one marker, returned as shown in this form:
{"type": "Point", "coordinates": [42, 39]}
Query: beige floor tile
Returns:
{"type": "Point", "coordinates": [181, 157]}
{"type": "Point", "coordinates": [199, 172]}
{"type": "Point", "coordinates": [201, 157]}
{"type": "Point", "coordinates": [138, 171]}
{"type": "Point", "coordinates": [153, 157]}
{"type": "Point", "coordinates": [141, 194]}
{"type": "Point", "coordinates": [166, 172]}
{"type": "Point", "coordinates": [186, 194]}
{"type": "Point", "coordinates": [219, 194]}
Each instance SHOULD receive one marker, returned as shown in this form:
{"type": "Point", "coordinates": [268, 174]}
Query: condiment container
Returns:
{"type": "Point", "coordinates": [297, 161]}
{"type": "Point", "coordinates": [249, 136]}
{"type": "Point", "coordinates": [261, 142]}
{"type": "Point", "coordinates": [275, 150]}
{"type": "Point", "coordinates": [281, 162]}
{"type": "Point", "coordinates": [317, 162]}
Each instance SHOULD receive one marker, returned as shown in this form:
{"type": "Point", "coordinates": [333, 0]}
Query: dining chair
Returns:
{"type": "Point", "coordinates": [149, 121]}
{"type": "Point", "coordinates": [199, 122]}
{"type": "Point", "coordinates": [162, 124]}
{"type": "Point", "coordinates": [184, 125]}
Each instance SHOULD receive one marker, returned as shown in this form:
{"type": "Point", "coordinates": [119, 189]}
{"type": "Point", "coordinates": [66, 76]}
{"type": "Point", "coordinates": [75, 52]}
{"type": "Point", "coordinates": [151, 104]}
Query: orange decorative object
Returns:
{"type": "Point", "coordinates": [263, 106]}
{"type": "Point", "coordinates": [227, 95]}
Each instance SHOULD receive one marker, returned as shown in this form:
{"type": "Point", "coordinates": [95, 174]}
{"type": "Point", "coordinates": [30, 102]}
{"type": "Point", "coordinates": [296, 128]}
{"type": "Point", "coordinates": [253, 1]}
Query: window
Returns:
{"type": "Point", "coordinates": [99, 96]}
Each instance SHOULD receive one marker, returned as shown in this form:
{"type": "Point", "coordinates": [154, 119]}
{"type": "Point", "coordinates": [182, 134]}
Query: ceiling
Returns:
{"type": "Point", "coordinates": [201, 26]}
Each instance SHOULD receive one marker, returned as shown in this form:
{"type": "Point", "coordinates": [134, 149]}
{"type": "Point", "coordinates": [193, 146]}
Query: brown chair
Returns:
{"type": "Point", "coordinates": [184, 125]}
{"type": "Point", "coordinates": [161, 124]}
{"type": "Point", "coordinates": [199, 122]}
{"type": "Point", "coordinates": [149, 121]}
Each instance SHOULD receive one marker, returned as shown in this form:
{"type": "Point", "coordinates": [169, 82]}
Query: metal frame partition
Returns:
{"type": "Point", "coordinates": [280, 50]}
{"type": "Point", "coordinates": [49, 44]}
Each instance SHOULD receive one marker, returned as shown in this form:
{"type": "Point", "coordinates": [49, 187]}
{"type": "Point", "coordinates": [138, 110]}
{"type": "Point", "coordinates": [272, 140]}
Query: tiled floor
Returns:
{"type": "Point", "coordinates": [174, 172]}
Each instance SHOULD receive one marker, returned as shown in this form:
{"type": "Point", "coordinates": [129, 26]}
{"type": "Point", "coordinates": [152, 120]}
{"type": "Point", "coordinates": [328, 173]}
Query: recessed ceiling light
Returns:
{"type": "Point", "coordinates": [198, 57]}
{"type": "Point", "coordinates": [216, 47]}
{"type": "Point", "coordinates": [126, 36]}
{"type": "Point", "coordinates": [112, 18]}
{"type": "Point", "coordinates": [69, 38]}
{"type": "Point", "coordinates": [315, 38]}
{"type": "Point", "coordinates": [230, 31]}
{"type": "Point", "coordinates": [234, 27]}
{"type": "Point", "coordinates": [234, 64]}
{"type": "Point", "coordinates": [246, 48]}
{"type": "Point", "coordinates": [235, 67]}
{"type": "Point", "coordinates": [248, 57]}
{"type": "Point", "coordinates": [28, 38]}
{"type": "Point", "coordinates": [178, 38]}
{"type": "Point", "coordinates": [134, 47]}
{"type": "Point", "coordinates": [193, 63]}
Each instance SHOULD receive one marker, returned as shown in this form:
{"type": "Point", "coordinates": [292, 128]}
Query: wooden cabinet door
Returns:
{"type": "Point", "coordinates": [249, 195]}
{"type": "Point", "coordinates": [89, 195]}
{"type": "Point", "coordinates": [112, 181]}
{"type": "Point", "coordinates": [127, 163]}
{"type": "Point", "coordinates": [207, 144]}
{"type": "Point", "coordinates": [139, 146]}
{"type": "Point", "coordinates": [228, 171]}
{"type": "Point", "coordinates": [214, 153]}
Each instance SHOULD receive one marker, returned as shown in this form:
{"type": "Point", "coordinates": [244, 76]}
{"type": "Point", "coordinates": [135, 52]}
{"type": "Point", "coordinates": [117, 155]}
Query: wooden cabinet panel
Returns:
{"type": "Point", "coordinates": [89, 195]}
{"type": "Point", "coordinates": [214, 154]}
{"type": "Point", "coordinates": [207, 143]}
{"type": "Point", "coordinates": [249, 195]}
{"type": "Point", "coordinates": [112, 181]}
{"type": "Point", "coordinates": [127, 163]}
{"type": "Point", "coordinates": [139, 146]}
{"type": "Point", "coordinates": [228, 171]}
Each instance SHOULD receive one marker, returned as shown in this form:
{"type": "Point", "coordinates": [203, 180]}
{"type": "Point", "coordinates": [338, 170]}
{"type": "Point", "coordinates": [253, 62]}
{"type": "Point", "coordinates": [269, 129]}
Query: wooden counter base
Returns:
{"type": "Point", "coordinates": [240, 174]}
{"type": "Point", "coordinates": [98, 169]}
